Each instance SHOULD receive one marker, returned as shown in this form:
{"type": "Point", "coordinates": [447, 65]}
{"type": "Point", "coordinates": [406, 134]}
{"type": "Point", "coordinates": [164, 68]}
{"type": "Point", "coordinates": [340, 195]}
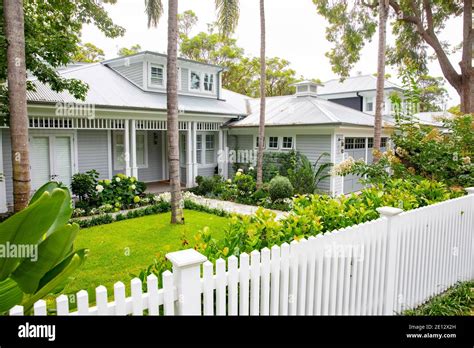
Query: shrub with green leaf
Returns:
{"type": "Point", "coordinates": [280, 187]}
{"type": "Point", "coordinates": [42, 225]}
{"type": "Point", "coordinates": [83, 185]}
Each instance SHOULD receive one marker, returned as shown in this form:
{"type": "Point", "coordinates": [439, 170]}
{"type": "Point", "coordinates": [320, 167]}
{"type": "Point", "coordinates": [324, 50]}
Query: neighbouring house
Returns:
{"type": "Point", "coordinates": [121, 125]}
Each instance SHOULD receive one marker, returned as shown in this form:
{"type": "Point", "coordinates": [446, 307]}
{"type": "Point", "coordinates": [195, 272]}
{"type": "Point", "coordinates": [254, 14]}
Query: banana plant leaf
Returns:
{"type": "Point", "coordinates": [10, 295]}
{"type": "Point", "coordinates": [50, 253]}
{"type": "Point", "coordinates": [56, 276]}
{"type": "Point", "coordinates": [66, 206]}
{"type": "Point", "coordinates": [29, 225]}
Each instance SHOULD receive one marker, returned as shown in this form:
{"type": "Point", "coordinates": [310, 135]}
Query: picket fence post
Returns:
{"type": "Point", "coordinates": [392, 243]}
{"type": "Point", "coordinates": [470, 192]}
{"type": "Point", "coordinates": [187, 279]}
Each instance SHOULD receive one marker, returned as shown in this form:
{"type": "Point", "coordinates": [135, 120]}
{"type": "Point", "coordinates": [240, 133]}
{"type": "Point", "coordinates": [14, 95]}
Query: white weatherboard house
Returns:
{"type": "Point", "coordinates": [125, 113]}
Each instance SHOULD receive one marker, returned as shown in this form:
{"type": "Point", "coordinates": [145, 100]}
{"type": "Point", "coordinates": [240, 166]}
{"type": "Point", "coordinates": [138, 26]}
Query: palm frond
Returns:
{"type": "Point", "coordinates": [228, 13]}
{"type": "Point", "coordinates": [153, 10]}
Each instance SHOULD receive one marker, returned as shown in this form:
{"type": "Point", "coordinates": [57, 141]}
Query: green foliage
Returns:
{"type": "Point", "coordinates": [124, 51]}
{"type": "Point", "coordinates": [25, 280]}
{"type": "Point", "coordinates": [280, 187]}
{"type": "Point", "coordinates": [209, 185]}
{"type": "Point", "coordinates": [121, 192]}
{"type": "Point", "coordinates": [88, 53]}
{"type": "Point", "coordinates": [306, 177]}
{"type": "Point", "coordinates": [52, 37]}
{"type": "Point", "coordinates": [433, 93]}
{"type": "Point", "coordinates": [84, 185]}
{"type": "Point", "coordinates": [315, 214]}
{"type": "Point", "coordinates": [458, 300]}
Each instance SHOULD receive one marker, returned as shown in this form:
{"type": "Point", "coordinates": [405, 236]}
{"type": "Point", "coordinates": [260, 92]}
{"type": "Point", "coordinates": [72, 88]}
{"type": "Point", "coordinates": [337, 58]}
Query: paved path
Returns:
{"type": "Point", "coordinates": [232, 207]}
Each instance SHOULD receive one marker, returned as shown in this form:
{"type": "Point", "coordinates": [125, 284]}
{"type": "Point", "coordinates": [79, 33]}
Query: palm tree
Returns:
{"type": "Point", "coordinates": [263, 79]}
{"type": "Point", "coordinates": [154, 10]}
{"type": "Point", "coordinates": [383, 13]}
{"type": "Point", "coordinates": [15, 36]}
{"type": "Point", "coordinates": [227, 20]}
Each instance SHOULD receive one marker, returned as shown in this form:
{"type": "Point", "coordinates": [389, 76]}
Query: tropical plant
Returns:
{"type": "Point", "coordinates": [154, 10]}
{"type": "Point", "coordinates": [306, 177]}
{"type": "Point", "coordinates": [26, 279]}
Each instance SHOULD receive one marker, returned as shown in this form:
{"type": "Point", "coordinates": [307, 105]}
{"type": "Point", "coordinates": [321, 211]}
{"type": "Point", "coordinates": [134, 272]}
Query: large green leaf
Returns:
{"type": "Point", "coordinates": [50, 253]}
{"type": "Point", "coordinates": [56, 276]}
{"type": "Point", "coordinates": [10, 295]}
{"type": "Point", "coordinates": [66, 208]}
{"type": "Point", "coordinates": [30, 224]}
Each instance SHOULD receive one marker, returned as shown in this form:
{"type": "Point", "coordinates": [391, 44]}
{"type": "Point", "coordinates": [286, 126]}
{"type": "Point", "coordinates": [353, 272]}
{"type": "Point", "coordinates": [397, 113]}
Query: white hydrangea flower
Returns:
{"type": "Point", "coordinates": [117, 179]}
{"type": "Point", "coordinates": [133, 187]}
{"type": "Point", "coordinates": [240, 170]}
{"type": "Point", "coordinates": [251, 168]}
{"type": "Point", "coordinates": [99, 188]}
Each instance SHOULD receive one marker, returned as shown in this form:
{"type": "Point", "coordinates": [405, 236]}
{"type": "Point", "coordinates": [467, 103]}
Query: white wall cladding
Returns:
{"type": "Point", "coordinates": [154, 170]}
{"type": "Point", "coordinates": [206, 171]}
{"type": "Point", "coordinates": [92, 151]}
{"type": "Point", "coordinates": [134, 72]}
{"type": "Point", "coordinates": [312, 146]}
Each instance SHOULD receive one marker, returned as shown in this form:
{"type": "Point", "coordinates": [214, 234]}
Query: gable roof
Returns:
{"type": "Point", "coordinates": [109, 89]}
{"type": "Point", "coordinates": [354, 84]}
{"type": "Point", "coordinates": [292, 111]}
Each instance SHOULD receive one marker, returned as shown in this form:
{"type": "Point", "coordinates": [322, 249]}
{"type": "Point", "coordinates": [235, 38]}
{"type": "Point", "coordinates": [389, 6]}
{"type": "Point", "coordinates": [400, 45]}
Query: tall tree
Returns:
{"type": "Point", "coordinates": [263, 78]}
{"type": "Point", "coordinates": [433, 95]}
{"type": "Point", "coordinates": [124, 51]}
{"type": "Point", "coordinates": [154, 10]}
{"type": "Point", "coordinates": [88, 53]}
{"type": "Point", "coordinates": [16, 67]}
{"type": "Point", "coordinates": [417, 25]}
{"type": "Point", "coordinates": [380, 95]}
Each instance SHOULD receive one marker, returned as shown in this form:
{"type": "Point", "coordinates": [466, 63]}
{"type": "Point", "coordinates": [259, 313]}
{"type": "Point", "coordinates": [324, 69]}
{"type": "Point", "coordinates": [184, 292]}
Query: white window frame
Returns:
{"type": "Point", "coordinates": [150, 83]}
{"type": "Point", "coordinates": [114, 149]}
{"type": "Point", "coordinates": [213, 82]}
{"type": "Point", "coordinates": [199, 73]}
{"type": "Point", "coordinates": [283, 142]}
{"type": "Point", "coordinates": [204, 149]}
{"type": "Point", "coordinates": [369, 100]}
{"type": "Point", "coordinates": [277, 144]}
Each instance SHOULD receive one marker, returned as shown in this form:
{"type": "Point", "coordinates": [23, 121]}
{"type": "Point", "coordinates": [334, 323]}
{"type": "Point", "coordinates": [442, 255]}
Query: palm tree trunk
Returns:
{"type": "Point", "coordinates": [15, 36]}
{"type": "Point", "coordinates": [380, 77]}
{"type": "Point", "coordinates": [172, 104]}
{"type": "Point", "coordinates": [263, 79]}
{"type": "Point", "coordinates": [467, 71]}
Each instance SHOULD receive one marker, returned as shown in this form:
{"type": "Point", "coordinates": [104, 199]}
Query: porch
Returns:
{"type": "Point", "coordinates": [61, 147]}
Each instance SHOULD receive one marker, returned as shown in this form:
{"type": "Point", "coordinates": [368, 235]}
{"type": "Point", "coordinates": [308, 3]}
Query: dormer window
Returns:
{"type": "Point", "coordinates": [157, 75]}
{"type": "Point", "coordinates": [195, 83]}
{"type": "Point", "coordinates": [369, 104]}
{"type": "Point", "coordinates": [208, 82]}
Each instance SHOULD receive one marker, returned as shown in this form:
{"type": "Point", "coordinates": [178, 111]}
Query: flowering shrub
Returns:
{"type": "Point", "coordinates": [121, 192]}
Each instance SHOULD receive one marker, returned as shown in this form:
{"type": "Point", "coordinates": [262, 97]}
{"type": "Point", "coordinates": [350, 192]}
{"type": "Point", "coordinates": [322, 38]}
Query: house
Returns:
{"type": "Point", "coordinates": [121, 125]}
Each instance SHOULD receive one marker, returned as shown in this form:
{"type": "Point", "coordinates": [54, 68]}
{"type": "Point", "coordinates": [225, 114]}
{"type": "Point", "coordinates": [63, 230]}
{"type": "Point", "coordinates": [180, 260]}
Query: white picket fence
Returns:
{"type": "Point", "coordinates": [384, 266]}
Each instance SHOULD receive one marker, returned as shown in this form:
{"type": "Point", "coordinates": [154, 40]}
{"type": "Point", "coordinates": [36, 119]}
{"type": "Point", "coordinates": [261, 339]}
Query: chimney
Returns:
{"type": "Point", "coordinates": [306, 88]}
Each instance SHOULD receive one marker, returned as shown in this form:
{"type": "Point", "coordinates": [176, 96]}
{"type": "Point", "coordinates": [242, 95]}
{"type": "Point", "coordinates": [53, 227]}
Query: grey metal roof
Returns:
{"type": "Point", "coordinates": [292, 110]}
{"type": "Point", "coordinates": [353, 84]}
{"type": "Point", "coordinates": [109, 89]}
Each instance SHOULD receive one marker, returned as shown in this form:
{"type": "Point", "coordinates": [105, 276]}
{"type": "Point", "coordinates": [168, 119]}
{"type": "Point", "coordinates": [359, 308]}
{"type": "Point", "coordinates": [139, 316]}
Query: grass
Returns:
{"type": "Point", "coordinates": [458, 300]}
{"type": "Point", "coordinates": [122, 248]}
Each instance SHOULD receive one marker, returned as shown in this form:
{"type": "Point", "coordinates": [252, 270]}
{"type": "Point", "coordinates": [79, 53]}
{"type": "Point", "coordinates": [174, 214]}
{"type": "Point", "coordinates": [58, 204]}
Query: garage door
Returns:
{"type": "Point", "coordinates": [357, 148]}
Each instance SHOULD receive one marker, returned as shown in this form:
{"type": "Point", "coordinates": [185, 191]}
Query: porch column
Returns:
{"type": "Point", "coordinates": [194, 154]}
{"type": "Point", "coordinates": [189, 156]}
{"type": "Point", "coordinates": [3, 191]}
{"type": "Point", "coordinates": [226, 155]}
{"type": "Point", "coordinates": [126, 152]}
{"type": "Point", "coordinates": [220, 154]}
{"type": "Point", "coordinates": [133, 148]}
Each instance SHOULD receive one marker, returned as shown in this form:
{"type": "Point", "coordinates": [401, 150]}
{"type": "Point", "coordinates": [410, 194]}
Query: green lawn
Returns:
{"type": "Point", "coordinates": [124, 247]}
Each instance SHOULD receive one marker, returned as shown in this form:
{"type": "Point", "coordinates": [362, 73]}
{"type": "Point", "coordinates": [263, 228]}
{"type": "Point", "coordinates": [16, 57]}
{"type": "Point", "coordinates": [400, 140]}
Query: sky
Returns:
{"type": "Point", "coordinates": [295, 32]}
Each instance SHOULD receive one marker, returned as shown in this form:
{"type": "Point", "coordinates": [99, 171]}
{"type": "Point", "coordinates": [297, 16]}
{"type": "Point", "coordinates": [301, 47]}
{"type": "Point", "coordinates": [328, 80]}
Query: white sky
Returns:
{"type": "Point", "coordinates": [295, 32]}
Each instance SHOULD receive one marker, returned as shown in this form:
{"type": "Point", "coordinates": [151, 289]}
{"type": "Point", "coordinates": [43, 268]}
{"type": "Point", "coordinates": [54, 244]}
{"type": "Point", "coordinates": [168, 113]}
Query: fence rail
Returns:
{"type": "Point", "coordinates": [384, 266]}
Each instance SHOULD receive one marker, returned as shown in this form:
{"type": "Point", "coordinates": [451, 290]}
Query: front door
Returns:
{"type": "Point", "coordinates": [51, 159]}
